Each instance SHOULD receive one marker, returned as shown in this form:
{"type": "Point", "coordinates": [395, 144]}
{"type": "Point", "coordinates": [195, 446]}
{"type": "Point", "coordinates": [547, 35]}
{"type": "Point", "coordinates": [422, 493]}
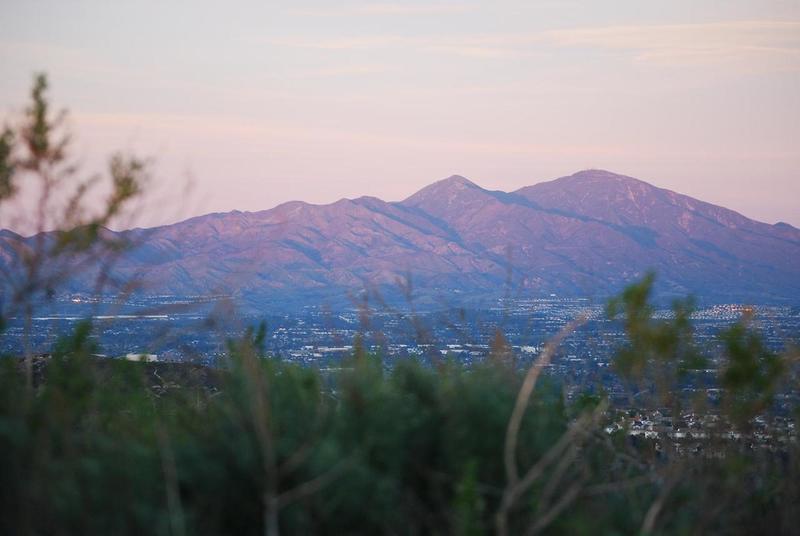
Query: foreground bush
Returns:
{"type": "Point", "coordinates": [114, 447]}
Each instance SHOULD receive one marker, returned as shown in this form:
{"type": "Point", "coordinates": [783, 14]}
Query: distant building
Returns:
{"type": "Point", "coordinates": [147, 358]}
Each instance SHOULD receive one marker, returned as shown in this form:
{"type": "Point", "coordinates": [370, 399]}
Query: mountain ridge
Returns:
{"type": "Point", "coordinates": [586, 234]}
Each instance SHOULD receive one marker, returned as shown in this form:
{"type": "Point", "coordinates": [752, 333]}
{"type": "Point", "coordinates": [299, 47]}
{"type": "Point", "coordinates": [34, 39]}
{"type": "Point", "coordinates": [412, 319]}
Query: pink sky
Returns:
{"type": "Point", "coordinates": [266, 103]}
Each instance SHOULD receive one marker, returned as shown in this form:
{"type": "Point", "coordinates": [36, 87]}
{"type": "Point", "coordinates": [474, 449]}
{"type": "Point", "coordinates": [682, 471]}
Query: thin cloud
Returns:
{"type": "Point", "coordinates": [413, 9]}
{"type": "Point", "coordinates": [740, 41]}
{"type": "Point", "coordinates": [480, 46]}
{"type": "Point", "coordinates": [772, 44]}
{"type": "Point", "coordinates": [257, 133]}
{"type": "Point", "coordinates": [345, 43]}
{"type": "Point", "coordinates": [386, 9]}
{"type": "Point", "coordinates": [720, 34]}
{"type": "Point", "coordinates": [343, 71]}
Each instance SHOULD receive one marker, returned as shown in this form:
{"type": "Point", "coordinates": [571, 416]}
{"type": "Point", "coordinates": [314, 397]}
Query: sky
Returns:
{"type": "Point", "coordinates": [247, 105]}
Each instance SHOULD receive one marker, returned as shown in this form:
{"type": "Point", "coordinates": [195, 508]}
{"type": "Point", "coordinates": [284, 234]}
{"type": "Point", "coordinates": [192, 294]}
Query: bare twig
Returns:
{"type": "Point", "coordinates": [620, 485]}
{"type": "Point", "coordinates": [314, 485]}
{"type": "Point", "coordinates": [567, 498]}
{"type": "Point", "coordinates": [174, 506]}
{"type": "Point", "coordinates": [524, 395]}
{"type": "Point", "coordinates": [556, 478]}
{"type": "Point", "coordinates": [513, 485]}
{"type": "Point", "coordinates": [302, 453]}
{"type": "Point", "coordinates": [651, 517]}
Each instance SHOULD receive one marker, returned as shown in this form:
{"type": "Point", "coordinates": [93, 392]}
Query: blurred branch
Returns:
{"type": "Point", "coordinates": [524, 395]}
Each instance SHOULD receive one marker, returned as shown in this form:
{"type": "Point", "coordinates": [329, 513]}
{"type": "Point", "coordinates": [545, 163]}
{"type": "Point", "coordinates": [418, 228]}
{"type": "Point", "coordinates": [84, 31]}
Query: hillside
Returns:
{"type": "Point", "coordinates": [587, 234]}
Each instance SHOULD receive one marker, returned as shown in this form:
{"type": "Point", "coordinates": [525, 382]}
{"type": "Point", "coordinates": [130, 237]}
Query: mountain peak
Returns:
{"type": "Point", "coordinates": [453, 197]}
{"type": "Point", "coordinates": [601, 176]}
{"type": "Point", "coordinates": [449, 191]}
{"type": "Point", "coordinates": [596, 182]}
{"type": "Point", "coordinates": [451, 183]}
{"type": "Point", "coordinates": [457, 179]}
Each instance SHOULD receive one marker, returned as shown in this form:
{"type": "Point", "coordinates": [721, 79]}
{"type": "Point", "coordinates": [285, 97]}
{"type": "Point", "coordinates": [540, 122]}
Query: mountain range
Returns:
{"type": "Point", "coordinates": [587, 234]}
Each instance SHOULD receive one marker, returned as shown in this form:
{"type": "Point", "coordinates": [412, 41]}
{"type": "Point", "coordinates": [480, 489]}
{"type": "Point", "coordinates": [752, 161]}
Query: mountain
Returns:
{"type": "Point", "coordinates": [588, 234]}
{"type": "Point", "coordinates": [694, 246]}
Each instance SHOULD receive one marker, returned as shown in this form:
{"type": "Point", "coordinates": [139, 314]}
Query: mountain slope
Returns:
{"type": "Point", "coordinates": [694, 245]}
{"type": "Point", "coordinates": [588, 234]}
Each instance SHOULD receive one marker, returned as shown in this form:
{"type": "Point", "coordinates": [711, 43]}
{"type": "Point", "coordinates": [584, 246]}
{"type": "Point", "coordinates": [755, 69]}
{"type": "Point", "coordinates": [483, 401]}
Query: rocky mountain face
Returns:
{"type": "Point", "coordinates": [588, 234]}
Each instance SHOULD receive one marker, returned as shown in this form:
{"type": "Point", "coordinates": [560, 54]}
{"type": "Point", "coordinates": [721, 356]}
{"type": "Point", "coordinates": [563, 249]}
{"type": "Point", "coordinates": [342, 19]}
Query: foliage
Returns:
{"type": "Point", "coordinates": [55, 205]}
{"type": "Point", "coordinates": [751, 375]}
{"type": "Point", "coordinates": [111, 446]}
{"type": "Point", "coordinates": [100, 446]}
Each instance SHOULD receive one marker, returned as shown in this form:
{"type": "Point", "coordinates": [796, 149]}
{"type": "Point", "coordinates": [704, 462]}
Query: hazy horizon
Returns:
{"type": "Point", "coordinates": [264, 104]}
